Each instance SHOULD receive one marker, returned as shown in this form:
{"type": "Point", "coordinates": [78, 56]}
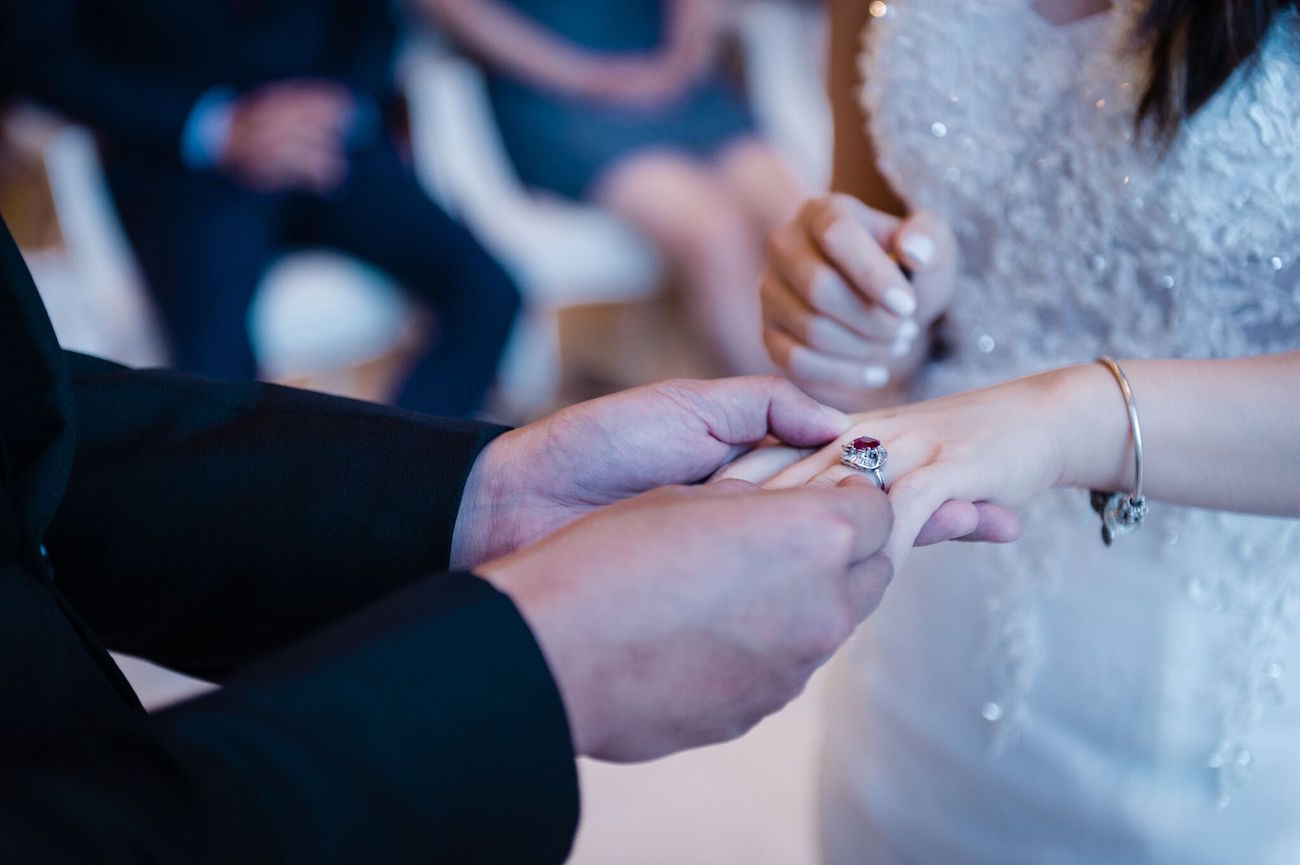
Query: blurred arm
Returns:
{"type": "Point", "coordinates": [693, 27]}
{"type": "Point", "coordinates": [208, 524]}
{"type": "Point", "coordinates": [510, 43]}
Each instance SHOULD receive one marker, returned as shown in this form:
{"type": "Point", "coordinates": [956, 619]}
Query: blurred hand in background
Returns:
{"type": "Point", "coordinates": [290, 135]}
{"type": "Point", "coordinates": [849, 295]}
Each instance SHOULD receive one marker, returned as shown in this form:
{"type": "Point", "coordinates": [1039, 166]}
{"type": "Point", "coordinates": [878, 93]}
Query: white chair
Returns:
{"type": "Point", "coordinates": [320, 315]}
{"type": "Point", "coordinates": [316, 314]}
{"type": "Point", "coordinates": [565, 254]}
{"type": "Point", "coordinates": [91, 287]}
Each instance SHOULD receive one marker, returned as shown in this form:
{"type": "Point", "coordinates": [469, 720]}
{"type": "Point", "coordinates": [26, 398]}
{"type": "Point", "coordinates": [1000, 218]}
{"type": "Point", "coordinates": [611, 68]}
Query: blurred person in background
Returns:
{"type": "Point", "coordinates": [626, 105]}
{"type": "Point", "coordinates": [235, 130]}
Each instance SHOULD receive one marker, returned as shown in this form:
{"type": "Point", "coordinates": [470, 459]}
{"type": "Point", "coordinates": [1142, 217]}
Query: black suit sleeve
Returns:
{"type": "Point", "coordinates": [426, 729]}
{"type": "Point", "coordinates": [206, 525]}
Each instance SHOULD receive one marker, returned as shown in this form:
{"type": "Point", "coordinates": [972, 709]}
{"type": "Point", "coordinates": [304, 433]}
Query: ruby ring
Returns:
{"type": "Point", "coordinates": [868, 455]}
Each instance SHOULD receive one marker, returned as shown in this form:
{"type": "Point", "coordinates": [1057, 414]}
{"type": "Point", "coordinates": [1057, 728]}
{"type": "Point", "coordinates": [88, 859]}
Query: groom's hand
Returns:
{"type": "Point", "coordinates": [683, 616]}
{"type": "Point", "coordinates": [541, 477]}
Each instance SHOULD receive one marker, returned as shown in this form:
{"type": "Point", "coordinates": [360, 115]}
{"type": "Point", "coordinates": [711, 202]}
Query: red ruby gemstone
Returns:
{"type": "Point", "coordinates": [865, 443]}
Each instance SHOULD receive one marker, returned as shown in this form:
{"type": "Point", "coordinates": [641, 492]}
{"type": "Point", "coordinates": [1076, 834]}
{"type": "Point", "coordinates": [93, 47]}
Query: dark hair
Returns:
{"type": "Point", "coordinates": [1193, 47]}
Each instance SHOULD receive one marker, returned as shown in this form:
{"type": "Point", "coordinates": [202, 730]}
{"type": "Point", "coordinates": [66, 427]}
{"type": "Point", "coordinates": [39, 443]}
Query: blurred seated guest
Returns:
{"type": "Point", "coordinates": [238, 129]}
{"type": "Point", "coordinates": [624, 104]}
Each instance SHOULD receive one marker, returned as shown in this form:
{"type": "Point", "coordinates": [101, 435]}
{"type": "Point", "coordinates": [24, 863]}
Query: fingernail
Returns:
{"type": "Point", "coordinates": [841, 421]}
{"type": "Point", "coordinates": [900, 302]}
{"type": "Point", "coordinates": [918, 247]}
{"type": "Point", "coordinates": [904, 337]}
{"type": "Point", "coordinates": [875, 376]}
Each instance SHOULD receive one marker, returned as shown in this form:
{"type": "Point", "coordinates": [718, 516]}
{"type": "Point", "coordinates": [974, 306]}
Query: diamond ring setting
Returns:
{"type": "Point", "coordinates": [867, 455]}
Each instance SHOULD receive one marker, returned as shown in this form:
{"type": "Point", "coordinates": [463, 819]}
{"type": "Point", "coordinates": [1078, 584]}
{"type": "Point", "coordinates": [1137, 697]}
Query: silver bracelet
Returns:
{"type": "Point", "coordinates": [1122, 513]}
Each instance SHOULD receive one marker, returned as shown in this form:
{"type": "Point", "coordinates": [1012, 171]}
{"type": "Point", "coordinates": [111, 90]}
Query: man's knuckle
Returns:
{"type": "Point", "coordinates": [837, 531]}
{"type": "Point", "coordinates": [778, 387]}
{"type": "Point", "coordinates": [884, 515]}
{"type": "Point", "coordinates": [836, 626]}
{"type": "Point", "coordinates": [846, 623]}
{"type": "Point", "coordinates": [683, 395]}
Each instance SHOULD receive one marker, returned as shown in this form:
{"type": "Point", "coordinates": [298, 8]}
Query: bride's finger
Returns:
{"type": "Point", "coordinates": [978, 522]}
{"type": "Point", "coordinates": [831, 476]}
{"type": "Point", "coordinates": [951, 521]}
{"type": "Point", "coordinates": [998, 525]}
{"type": "Point", "coordinates": [801, 472]}
{"type": "Point", "coordinates": [761, 464]}
{"type": "Point", "coordinates": [917, 496]}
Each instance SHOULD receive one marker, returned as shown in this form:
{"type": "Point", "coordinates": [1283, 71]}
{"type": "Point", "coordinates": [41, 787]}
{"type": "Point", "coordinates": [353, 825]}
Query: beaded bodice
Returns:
{"type": "Point", "coordinates": [1080, 237]}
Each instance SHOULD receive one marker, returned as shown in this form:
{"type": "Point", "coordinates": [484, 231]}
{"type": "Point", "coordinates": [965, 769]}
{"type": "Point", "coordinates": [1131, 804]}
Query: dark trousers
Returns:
{"type": "Point", "coordinates": [204, 243]}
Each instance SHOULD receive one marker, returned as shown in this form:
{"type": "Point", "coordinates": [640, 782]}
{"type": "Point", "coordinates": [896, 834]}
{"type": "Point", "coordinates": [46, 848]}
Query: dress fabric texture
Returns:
{"type": "Point", "coordinates": [564, 144]}
{"type": "Point", "coordinates": [1056, 701]}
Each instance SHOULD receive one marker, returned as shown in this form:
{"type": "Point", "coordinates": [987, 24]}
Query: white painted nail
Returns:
{"type": "Point", "coordinates": [875, 376]}
{"type": "Point", "coordinates": [917, 247]}
{"type": "Point", "coordinates": [904, 338]}
{"type": "Point", "coordinates": [900, 301]}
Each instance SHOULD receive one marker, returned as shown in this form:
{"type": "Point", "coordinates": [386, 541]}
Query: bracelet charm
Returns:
{"type": "Point", "coordinates": [1122, 513]}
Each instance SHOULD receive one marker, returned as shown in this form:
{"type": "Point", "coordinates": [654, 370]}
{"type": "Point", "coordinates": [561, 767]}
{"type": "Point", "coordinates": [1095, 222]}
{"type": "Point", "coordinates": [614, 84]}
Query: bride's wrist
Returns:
{"type": "Point", "coordinates": [1094, 445]}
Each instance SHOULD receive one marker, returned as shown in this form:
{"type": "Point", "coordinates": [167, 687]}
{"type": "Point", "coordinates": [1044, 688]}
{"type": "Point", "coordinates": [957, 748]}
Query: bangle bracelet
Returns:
{"type": "Point", "coordinates": [1122, 513]}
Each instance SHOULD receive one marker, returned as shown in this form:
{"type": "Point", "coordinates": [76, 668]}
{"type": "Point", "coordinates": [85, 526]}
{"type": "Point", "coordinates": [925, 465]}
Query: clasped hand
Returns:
{"type": "Point", "coordinates": [998, 447]}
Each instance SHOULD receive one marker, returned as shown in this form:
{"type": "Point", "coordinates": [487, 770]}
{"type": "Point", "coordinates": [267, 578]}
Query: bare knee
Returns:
{"type": "Point", "coordinates": [679, 203]}
{"type": "Point", "coordinates": [762, 182]}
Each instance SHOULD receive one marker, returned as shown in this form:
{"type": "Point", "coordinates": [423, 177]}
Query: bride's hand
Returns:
{"type": "Point", "coordinates": [839, 314]}
{"type": "Point", "coordinates": [999, 446]}
{"type": "Point", "coordinates": [953, 521]}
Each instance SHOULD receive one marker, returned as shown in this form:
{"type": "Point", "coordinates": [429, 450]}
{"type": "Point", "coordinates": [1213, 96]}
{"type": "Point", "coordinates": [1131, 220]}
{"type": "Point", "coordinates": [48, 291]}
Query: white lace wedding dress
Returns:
{"type": "Point", "coordinates": [1055, 701]}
